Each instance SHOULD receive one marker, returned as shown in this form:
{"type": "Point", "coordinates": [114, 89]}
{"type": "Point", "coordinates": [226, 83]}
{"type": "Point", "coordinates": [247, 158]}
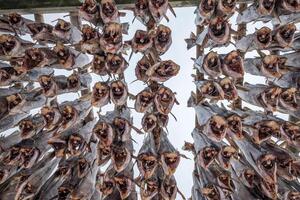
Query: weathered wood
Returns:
{"type": "Point", "coordinates": [63, 6]}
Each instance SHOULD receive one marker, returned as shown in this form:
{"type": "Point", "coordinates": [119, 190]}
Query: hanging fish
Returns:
{"type": "Point", "coordinates": [100, 94]}
{"type": "Point", "coordinates": [90, 12]}
{"type": "Point", "coordinates": [163, 71]}
{"type": "Point", "coordinates": [109, 11]}
{"type": "Point", "coordinates": [14, 23]}
{"type": "Point", "coordinates": [118, 92]}
{"type": "Point", "coordinates": [158, 9]}
{"type": "Point", "coordinates": [164, 100]}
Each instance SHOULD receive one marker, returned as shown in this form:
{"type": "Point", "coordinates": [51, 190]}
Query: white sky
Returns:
{"type": "Point", "coordinates": [182, 84]}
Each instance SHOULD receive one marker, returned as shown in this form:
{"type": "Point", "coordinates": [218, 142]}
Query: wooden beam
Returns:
{"type": "Point", "coordinates": [64, 6]}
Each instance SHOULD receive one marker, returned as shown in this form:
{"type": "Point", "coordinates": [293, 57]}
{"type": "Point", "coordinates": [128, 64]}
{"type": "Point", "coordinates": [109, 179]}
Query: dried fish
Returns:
{"type": "Point", "coordinates": [100, 94]}
{"type": "Point", "coordinates": [163, 71]}
{"type": "Point", "coordinates": [90, 41]}
{"type": "Point", "coordinates": [164, 100]}
{"type": "Point", "coordinates": [90, 12]}
{"type": "Point", "coordinates": [118, 92]}
{"type": "Point", "coordinates": [109, 11]}
{"type": "Point", "coordinates": [144, 100]}
{"type": "Point", "coordinates": [14, 23]}
{"type": "Point", "coordinates": [158, 9]}
{"type": "Point", "coordinates": [111, 39]}
{"type": "Point", "coordinates": [66, 32]}
{"type": "Point", "coordinates": [141, 68]}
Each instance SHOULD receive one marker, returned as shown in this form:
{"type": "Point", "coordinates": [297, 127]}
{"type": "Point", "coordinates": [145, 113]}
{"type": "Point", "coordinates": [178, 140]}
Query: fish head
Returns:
{"type": "Point", "coordinates": [269, 189]}
{"type": "Point", "coordinates": [88, 10]}
{"type": "Point", "coordinates": [268, 167]}
{"type": "Point", "coordinates": [124, 185]}
{"type": "Point", "coordinates": [62, 27]}
{"type": "Point", "coordinates": [211, 90]}
{"type": "Point", "coordinates": [263, 37]}
{"type": "Point", "coordinates": [73, 81]}
{"type": "Point", "coordinates": [98, 65]}
{"type": "Point", "coordinates": [107, 186]}
{"type": "Point", "coordinates": [141, 41]}
{"type": "Point", "coordinates": [109, 11]}
{"type": "Point", "coordinates": [118, 92]}
{"type": "Point", "coordinates": [216, 128]}
{"type": "Point", "coordinates": [51, 115]}
{"type": "Point", "coordinates": [227, 6]}
{"type": "Point", "coordinates": [115, 63]}
{"type": "Point", "coordinates": [170, 161]}
{"type": "Point", "coordinates": [27, 128]}
{"type": "Point", "coordinates": [288, 99]}
{"type": "Point", "coordinates": [164, 100]}
{"type": "Point", "coordinates": [163, 71]}
{"type": "Point", "coordinates": [103, 153]}
{"type": "Point", "coordinates": [121, 157]}
{"type": "Point", "coordinates": [112, 33]}
{"type": "Point", "coordinates": [141, 68]}
{"type": "Point", "coordinates": [235, 126]}
{"type": "Point", "coordinates": [100, 94]}
{"type": "Point", "coordinates": [291, 133]}
{"type": "Point", "coordinates": [248, 177]}
{"type": "Point", "coordinates": [76, 144]}
{"type": "Point", "coordinates": [29, 156]}
{"type": "Point", "coordinates": [13, 101]}
{"type": "Point", "coordinates": [266, 7]}
{"type": "Point", "coordinates": [225, 181]}
{"type": "Point", "coordinates": [150, 188]}
{"type": "Point", "coordinates": [144, 101]}
{"type": "Point", "coordinates": [5, 76]}
{"type": "Point", "coordinates": [233, 65]}
{"type": "Point", "coordinates": [9, 44]}
{"type": "Point", "coordinates": [147, 164]}
{"type": "Point", "coordinates": [225, 155]}
{"type": "Point", "coordinates": [66, 58]}
{"type": "Point", "coordinates": [228, 86]}
{"type": "Point", "coordinates": [149, 122]}
{"type": "Point", "coordinates": [211, 192]}
{"type": "Point", "coordinates": [82, 167]}
{"type": "Point", "coordinates": [59, 145]}
{"type": "Point", "coordinates": [264, 130]}
{"type": "Point", "coordinates": [122, 129]}
{"type": "Point", "coordinates": [290, 5]}
{"type": "Point", "coordinates": [39, 30]}
{"type": "Point", "coordinates": [270, 98]}
{"type": "Point", "coordinates": [212, 64]}
{"type": "Point", "coordinates": [14, 18]}
{"type": "Point", "coordinates": [168, 188]}
{"type": "Point", "coordinates": [219, 30]}
{"type": "Point", "coordinates": [270, 66]}
{"type": "Point", "coordinates": [291, 195]}
{"type": "Point", "coordinates": [104, 132]}
{"type": "Point", "coordinates": [69, 116]}
{"type": "Point", "coordinates": [285, 34]}
{"type": "Point", "coordinates": [13, 156]}
{"type": "Point", "coordinates": [64, 169]}
{"type": "Point", "coordinates": [33, 58]}
{"type": "Point", "coordinates": [64, 191]}
{"type": "Point", "coordinates": [48, 85]}
{"type": "Point", "coordinates": [206, 156]}
{"type": "Point", "coordinates": [89, 33]}
{"type": "Point", "coordinates": [162, 39]}
{"type": "Point", "coordinates": [207, 7]}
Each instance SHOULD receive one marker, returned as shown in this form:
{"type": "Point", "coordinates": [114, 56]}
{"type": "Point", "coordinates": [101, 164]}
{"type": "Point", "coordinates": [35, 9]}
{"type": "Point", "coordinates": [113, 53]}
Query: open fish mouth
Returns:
{"type": "Point", "coordinates": [14, 18]}
{"type": "Point", "coordinates": [141, 68]}
{"type": "Point", "coordinates": [210, 192]}
{"type": "Point", "coordinates": [98, 65]}
{"type": "Point", "coordinates": [114, 63]}
{"type": "Point", "coordinates": [144, 100]}
{"type": "Point", "coordinates": [104, 132]}
{"type": "Point", "coordinates": [120, 158]}
{"type": "Point", "coordinates": [212, 90]}
{"type": "Point", "coordinates": [291, 195]}
{"type": "Point", "coordinates": [76, 144]}
{"type": "Point", "coordinates": [7, 44]}
{"type": "Point", "coordinates": [267, 165]}
{"type": "Point", "coordinates": [230, 91]}
{"type": "Point", "coordinates": [271, 66]}
{"type": "Point", "coordinates": [226, 154]}
{"type": "Point", "coordinates": [248, 176]}
{"type": "Point", "coordinates": [108, 9]}
{"type": "Point", "coordinates": [212, 64]}
{"type": "Point", "coordinates": [69, 114]}
{"type": "Point", "coordinates": [164, 100]}
{"type": "Point", "coordinates": [121, 127]}
{"type": "Point", "coordinates": [49, 115]}
{"type": "Point", "coordinates": [285, 35]}
{"type": "Point", "coordinates": [63, 192]}
{"type": "Point", "coordinates": [123, 185]}
{"type": "Point", "coordinates": [269, 189]}
{"type": "Point", "coordinates": [167, 69]}
{"type": "Point", "coordinates": [36, 28]}
{"type": "Point", "coordinates": [46, 83]}
{"type": "Point", "coordinates": [27, 128]}
{"type": "Point", "coordinates": [107, 187]}
{"type": "Point", "coordinates": [291, 5]}
{"type": "Point", "coordinates": [149, 122]}
{"type": "Point", "coordinates": [58, 145]}
{"type": "Point", "coordinates": [291, 132]}
{"type": "Point", "coordinates": [62, 26]}
{"type": "Point", "coordinates": [216, 128]}
{"type": "Point", "coordinates": [207, 6]}
{"type": "Point", "coordinates": [228, 5]}
{"type": "Point", "coordinates": [13, 101]}
{"type": "Point", "coordinates": [235, 127]}
{"type": "Point", "coordinates": [118, 89]}
{"type": "Point", "coordinates": [73, 81]}
{"type": "Point", "coordinates": [29, 156]}
{"type": "Point", "coordinates": [266, 7]}
{"type": "Point", "coordinates": [141, 4]}
{"type": "Point", "coordinates": [88, 33]}
{"type": "Point", "coordinates": [169, 189]}
{"type": "Point", "coordinates": [82, 167]}
{"type": "Point", "coordinates": [147, 164]}
{"type": "Point", "coordinates": [170, 162]}
{"type": "Point", "coordinates": [142, 38]}
{"type": "Point", "coordinates": [225, 181]}
{"type": "Point", "coordinates": [164, 35]}
{"type": "Point", "coordinates": [100, 91]}
{"type": "Point", "coordinates": [206, 156]}
{"type": "Point", "coordinates": [288, 99]}
{"type": "Point", "coordinates": [270, 98]}
{"type": "Point", "coordinates": [264, 130]}
{"type": "Point", "coordinates": [33, 57]}
{"type": "Point", "coordinates": [233, 64]}
{"type": "Point", "coordinates": [112, 33]}
{"type": "Point", "coordinates": [218, 30]}
{"type": "Point", "coordinates": [150, 189]}
{"type": "Point", "coordinates": [284, 168]}
{"type": "Point", "coordinates": [89, 6]}
{"type": "Point", "coordinates": [263, 37]}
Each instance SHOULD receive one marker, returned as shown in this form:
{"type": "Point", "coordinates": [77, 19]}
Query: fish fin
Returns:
{"type": "Point", "coordinates": [184, 156]}
{"type": "Point", "coordinates": [125, 27]}
{"type": "Point", "coordinates": [131, 54]}
{"type": "Point", "coordinates": [190, 43]}
{"type": "Point", "coordinates": [122, 14]}
{"type": "Point", "coordinates": [172, 10]}
{"type": "Point", "coordinates": [166, 17]}
{"type": "Point", "coordinates": [181, 194]}
{"type": "Point", "coordinates": [133, 19]}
